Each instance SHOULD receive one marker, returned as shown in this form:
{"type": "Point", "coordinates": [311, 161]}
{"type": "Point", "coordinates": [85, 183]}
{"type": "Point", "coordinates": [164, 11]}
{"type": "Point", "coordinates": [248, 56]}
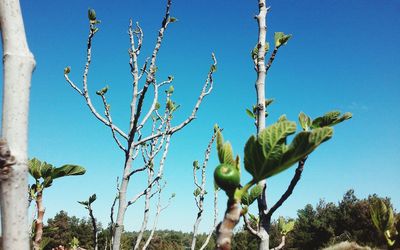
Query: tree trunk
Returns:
{"type": "Point", "coordinates": [122, 204]}
{"type": "Point", "coordinates": [18, 67]}
{"type": "Point", "coordinates": [264, 239]}
{"type": "Point", "coordinates": [225, 228]}
{"type": "Point", "coordinates": [39, 221]}
{"type": "Point", "coordinates": [260, 90]}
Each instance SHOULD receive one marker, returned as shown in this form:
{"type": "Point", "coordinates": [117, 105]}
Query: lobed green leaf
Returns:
{"type": "Point", "coordinates": [67, 170]}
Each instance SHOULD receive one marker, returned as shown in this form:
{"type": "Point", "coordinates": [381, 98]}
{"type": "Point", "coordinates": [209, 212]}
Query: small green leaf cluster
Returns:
{"type": "Point", "coordinates": [67, 70]}
{"type": "Point", "coordinates": [253, 113]}
{"type": "Point", "coordinates": [89, 202]}
{"type": "Point", "coordinates": [285, 226]}
{"type": "Point", "coordinates": [268, 153]}
{"type": "Point", "coordinates": [44, 174]}
{"type": "Point", "coordinates": [172, 19]}
{"type": "Point", "coordinates": [254, 52]}
{"type": "Point", "coordinates": [249, 198]}
{"type": "Point", "coordinates": [102, 91]}
{"type": "Point", "coordinates": [93, 20]}
{"type": "Point", "coordinates": [281, 39]}
{"type": "Point", "coordinates": [383, 219]}
{"type": "Point", "coordinates": [171, 106]}
{"type": "Point", "coordinates": [74, 243]}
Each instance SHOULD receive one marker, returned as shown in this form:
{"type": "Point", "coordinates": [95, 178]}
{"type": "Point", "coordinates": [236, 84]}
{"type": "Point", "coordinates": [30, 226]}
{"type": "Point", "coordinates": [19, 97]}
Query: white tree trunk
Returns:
{"type": "Point", "coordinates": [18, 67]}
{"type": "Point", "coordinates": [260, 89]}
{"type": "Point", "coordinates": [264, 239]}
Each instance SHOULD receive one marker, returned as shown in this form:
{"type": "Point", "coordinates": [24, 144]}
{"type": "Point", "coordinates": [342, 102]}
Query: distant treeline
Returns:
{"type": "Point", "coordinates": [316, 227]}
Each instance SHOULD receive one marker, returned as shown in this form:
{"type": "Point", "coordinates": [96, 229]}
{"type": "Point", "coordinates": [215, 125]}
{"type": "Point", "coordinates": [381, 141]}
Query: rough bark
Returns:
{"type": "Point", "coordinates": [225, 228]}
{"type": "Point", "coordinates": [19, 64]}
{"type": "Point", "coordinates": [39, 220]}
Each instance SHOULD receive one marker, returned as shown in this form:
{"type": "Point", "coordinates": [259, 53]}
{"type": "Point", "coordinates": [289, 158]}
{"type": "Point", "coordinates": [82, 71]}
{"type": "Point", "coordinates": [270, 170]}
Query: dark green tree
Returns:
{"type": "Point", "coordinates": [310, 231]}
{"type": "Point", "coordinates": [61, 229]}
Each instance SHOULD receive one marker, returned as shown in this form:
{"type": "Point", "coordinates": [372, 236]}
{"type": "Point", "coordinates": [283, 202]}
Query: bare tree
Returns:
{"type": "Point", "coordinates": [200, 193]}
{"type": "Point", "coordinates": [19, 64]}
{"type": "Point", "coordinates": [134, 141]}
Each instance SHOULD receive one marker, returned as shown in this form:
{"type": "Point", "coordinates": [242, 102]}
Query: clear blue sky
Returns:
{"type": "Point", "coordinates": [343, 55]}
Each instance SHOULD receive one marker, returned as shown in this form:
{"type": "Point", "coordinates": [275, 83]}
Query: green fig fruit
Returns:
{"type": "Point", "coordinates": [227, 177]}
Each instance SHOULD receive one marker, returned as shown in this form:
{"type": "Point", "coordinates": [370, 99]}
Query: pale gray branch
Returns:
{"type": "Point", "coordinates": [85, 92]}
{"type": "Point", "coordinates": [207, 88]}
{"type": "Point", "coordinates": [215, 220]}
{"type": "Point", "coordinates": [72, 84]}
{"type": "Point", "coordinates": [112, 126]}
{"type": "Point", "coordinates": [248, 226]}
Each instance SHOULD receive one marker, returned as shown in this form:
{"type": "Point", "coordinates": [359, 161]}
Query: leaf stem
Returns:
{"type": "Point", "coordinates": [239, 192]}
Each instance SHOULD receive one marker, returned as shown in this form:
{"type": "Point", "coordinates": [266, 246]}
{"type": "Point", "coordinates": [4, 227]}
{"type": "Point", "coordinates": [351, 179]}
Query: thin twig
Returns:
{"type": "Point", "coordinates": [202, 188]}
{"type": "Point", "coordinates": [85, 92]}
{"type": "Point", "coordinates": [215, 220]}
{"type": "Point", "coordinates": [207, 88]}
{"type": "Point", "coordinates": [271, 59]}
{"type": "Point", "coordinates": [158, 211]}
{"type": "Point", "coordinates": [135, 113]}
{"type": "Point", "coordinates": [109, 118]}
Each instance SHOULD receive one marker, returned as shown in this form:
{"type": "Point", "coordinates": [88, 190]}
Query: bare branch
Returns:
{"type": "Point", "coordinates": [146, 210]}
{"type": "Point", "coordinates": [198, 204]}
{"type": "Point", "coordinates": [159, 210]}
{"type": "Point", "coordinates": [137, 170]}
{"type": "Point", "coordinates": [271, 59]}
{"type": "Point", "coordinates": [215, 220]}
{"type": "Point", "coordinates": [152, 107]}
{"type": "Point", "coordinates": [135, 113]}
{"type": "Point", "coordinates": [113, 205]}
{"type": "Point", "coordinates": [290, 188]}
{"type": "Point", "coordinates": [248, 226]}
{"type": "Point", "coordinates": [109, 118]}
{"type": "Point", "coordinates": [72, 84]}
{"type": "Point", "coordinates": [144, 192]}
{"type": "Point", "coordinates": [85, 92]}
{"type": "Point", "coordinates": [133, 54]}
{"type": "Point", "coordinates": [202, 187]}
{"type": "Point", "coordinates": [143, 70]}
{"type": "Point", "coordinates": [281, 245]}
{"type": "Point", "coordinates": [139, 35]}
{"type": "Point", "coordinates": [207, 88]}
